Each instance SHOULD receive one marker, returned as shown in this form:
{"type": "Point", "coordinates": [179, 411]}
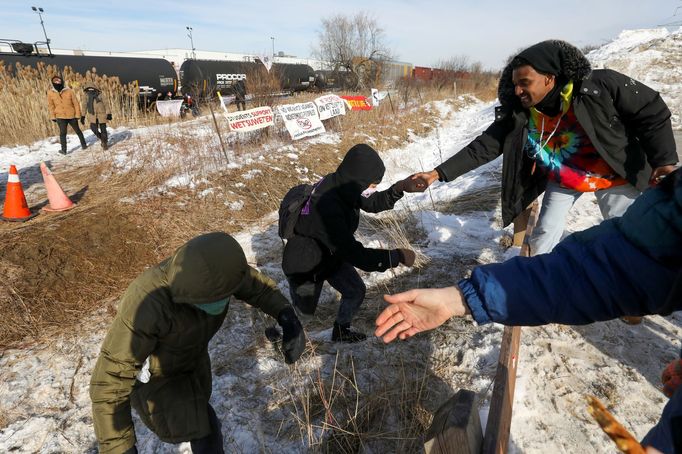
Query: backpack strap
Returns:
{"type": "Point", "coordinates": [306, 208]}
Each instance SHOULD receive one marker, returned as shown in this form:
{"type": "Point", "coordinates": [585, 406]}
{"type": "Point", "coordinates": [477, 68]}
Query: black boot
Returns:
{"type": "Point", "coordinates": [273, 334]}
{"type": "Point", "coordinates": [343, 333]}
{"type": "Point", "coordinates": [62, 151]}
{"type": "Point", "coordinates": [105, 145]}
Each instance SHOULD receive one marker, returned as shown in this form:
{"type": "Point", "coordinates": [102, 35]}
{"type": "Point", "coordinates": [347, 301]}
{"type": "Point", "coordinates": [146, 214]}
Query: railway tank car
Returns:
{"type": "Point", "coordinates": [151, 75]}
{"type": "Point", "coordinates": [206, 77]}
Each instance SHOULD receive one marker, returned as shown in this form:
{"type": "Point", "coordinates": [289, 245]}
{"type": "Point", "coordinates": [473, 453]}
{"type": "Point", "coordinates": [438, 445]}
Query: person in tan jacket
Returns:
{"type": "Point", "coordinates": [96, 111]}
{"type": "Point", "coordinates": [64, 110]}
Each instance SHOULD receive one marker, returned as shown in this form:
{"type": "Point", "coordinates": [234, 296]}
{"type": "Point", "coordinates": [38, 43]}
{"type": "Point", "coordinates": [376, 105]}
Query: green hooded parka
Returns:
{"type": "Point", "coordinates": [157, 319]}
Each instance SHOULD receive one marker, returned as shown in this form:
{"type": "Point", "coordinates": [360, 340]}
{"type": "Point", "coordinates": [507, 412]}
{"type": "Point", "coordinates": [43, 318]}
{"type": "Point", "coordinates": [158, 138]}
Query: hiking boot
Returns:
{"type": "Point", "coordinates": [84, 146]}
{"type": "Point", "coordinates": [62, 151]}
{"type": "Point", "coordinates": [273, 334]}
{"type": "Point", "coordinates": [105, 146]}
{"type": "Point", "coordinates": [343, 333]}
{"type": "Point", "coordinates": [631, 319]}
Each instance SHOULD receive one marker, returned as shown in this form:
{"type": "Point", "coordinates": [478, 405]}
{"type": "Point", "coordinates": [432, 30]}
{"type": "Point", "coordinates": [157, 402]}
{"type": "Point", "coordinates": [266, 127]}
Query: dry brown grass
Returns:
{"type": "Point", "coordinates": [336, 413]}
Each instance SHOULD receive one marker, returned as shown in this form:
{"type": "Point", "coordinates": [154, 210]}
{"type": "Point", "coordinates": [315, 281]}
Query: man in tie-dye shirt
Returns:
{"type": "Point", "coordinates": [565, 129]}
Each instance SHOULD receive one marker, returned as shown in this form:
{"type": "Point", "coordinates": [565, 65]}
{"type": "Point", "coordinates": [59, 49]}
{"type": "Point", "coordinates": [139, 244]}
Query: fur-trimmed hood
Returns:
{"type": "Point", "coordinates": [574, 66]}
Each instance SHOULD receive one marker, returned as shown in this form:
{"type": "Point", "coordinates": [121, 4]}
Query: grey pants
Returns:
{"type": "Point", "coordinates": [557, 201]}
{"type": "Point", "coordinates": [346, 280]}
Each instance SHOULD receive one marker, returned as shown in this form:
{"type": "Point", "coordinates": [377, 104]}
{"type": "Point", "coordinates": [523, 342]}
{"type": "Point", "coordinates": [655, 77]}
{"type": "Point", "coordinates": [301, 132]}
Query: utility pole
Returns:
{"type": "Point", "coordinates": [273, 47]}
{"type": "Point", "coordinates": [191, 42]}
{"type": "Point", "coordinates": [38, 10]}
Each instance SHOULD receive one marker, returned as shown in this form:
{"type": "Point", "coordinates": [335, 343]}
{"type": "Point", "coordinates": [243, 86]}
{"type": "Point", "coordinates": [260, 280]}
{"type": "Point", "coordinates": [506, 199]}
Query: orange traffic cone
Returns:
{"type": "Point", "coordinates": [58, 200]}
{"type": "Point", "coordinates": [16, 208]}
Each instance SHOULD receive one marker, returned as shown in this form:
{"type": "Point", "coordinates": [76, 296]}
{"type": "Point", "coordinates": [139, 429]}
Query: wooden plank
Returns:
{"type": "Point", "coordinates": [521, 226]}
{"type": "Point", "coordinates": [456, 426]}
{"type": "Point", "coordinates": [496, 438]}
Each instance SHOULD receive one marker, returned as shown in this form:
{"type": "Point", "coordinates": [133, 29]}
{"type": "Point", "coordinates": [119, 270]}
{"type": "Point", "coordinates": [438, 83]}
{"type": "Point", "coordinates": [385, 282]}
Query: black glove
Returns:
{"type": "Point", "coordinates": [82, 120]}
{"type": "Point", "coordinates": [293, 342]}
{"type": "Point", "coordinates": [109, 117]}
{"type": "Point", "coordinates": [407, 256]}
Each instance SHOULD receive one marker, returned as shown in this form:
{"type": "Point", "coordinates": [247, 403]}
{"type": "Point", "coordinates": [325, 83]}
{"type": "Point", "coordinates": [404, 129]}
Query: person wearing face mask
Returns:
{"type": "Point", "coordinates": [155, 357]}
{"type": "Point", "coordinates": [324, 247]}
{"type": "Point", "coordinates": [64, 110]}
{"type": "Point", "coordinates": [565, 129]}
{"type": "Point", "coordinates": [96, 112]}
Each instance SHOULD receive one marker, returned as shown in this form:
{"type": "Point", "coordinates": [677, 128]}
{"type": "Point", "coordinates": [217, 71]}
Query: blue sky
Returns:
{"type": "Point", "coordinates": [419, 32]}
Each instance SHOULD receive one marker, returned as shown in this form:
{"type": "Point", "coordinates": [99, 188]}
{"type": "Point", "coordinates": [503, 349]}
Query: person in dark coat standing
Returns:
{"type": "Point", "coordinates": [627, 266]}
{"type": "Point", "coordinates": [240, 94]}
{"type": "Point", "coordinates": [96, 111]}
{"type": "Point", "coordinates": [155, 356]}
{"type": "Point", "coordinates": [64, 110]}
{"type": "Point", "coordinates": [564, 130]}
{"type": "Point", "coordinates": [324, 247]}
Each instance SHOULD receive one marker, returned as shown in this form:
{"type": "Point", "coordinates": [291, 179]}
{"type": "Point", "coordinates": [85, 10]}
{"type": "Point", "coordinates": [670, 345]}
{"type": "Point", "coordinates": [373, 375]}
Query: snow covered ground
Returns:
{"type": "Point", "coordinates": [44, 388]}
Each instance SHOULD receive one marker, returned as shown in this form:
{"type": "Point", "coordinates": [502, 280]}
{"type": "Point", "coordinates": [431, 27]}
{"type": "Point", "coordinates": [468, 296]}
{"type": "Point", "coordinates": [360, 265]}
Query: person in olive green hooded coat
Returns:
{"type": "Point", "coordinates": [165, 320]}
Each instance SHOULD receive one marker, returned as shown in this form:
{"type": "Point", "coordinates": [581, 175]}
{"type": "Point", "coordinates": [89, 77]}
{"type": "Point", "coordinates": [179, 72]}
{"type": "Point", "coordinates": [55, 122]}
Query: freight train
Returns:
{"type": "Point", "coordinates": [156, 77]}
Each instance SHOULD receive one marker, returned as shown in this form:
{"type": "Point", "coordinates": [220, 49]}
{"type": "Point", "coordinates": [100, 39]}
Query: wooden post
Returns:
{"type": "Point", "coordinates": [217, 130]}
{"type": "Point", "coordinates": [456, 426]}
{"type": "Point", "coordinates": [391, 101]}
{"type": "Point", "coordinates": [499, 418]}
{"type": "Point", "coordinates": [520, 226]}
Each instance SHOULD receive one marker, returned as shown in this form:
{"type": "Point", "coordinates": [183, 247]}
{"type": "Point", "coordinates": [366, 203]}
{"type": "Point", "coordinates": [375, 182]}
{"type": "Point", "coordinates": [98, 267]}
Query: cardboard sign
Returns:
{"type": "Point", "coordinates": [357, 102]}
{"type": "Point", "coordinates": [330, 106]}
{"type": "Point", "coordinates": [251, 120]}
{"type": "Point", "coordinates": [301, 120]}
{"type": "Point", "coordinates": [377, 96]}
{"type": "Point", "coordinates": [170, 108]}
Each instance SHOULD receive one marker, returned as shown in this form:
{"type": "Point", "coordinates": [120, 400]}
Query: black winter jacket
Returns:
{"type": "Point", "coordinates": [335, 215]}
{"type": "Point", "coordinates": [627, 122]}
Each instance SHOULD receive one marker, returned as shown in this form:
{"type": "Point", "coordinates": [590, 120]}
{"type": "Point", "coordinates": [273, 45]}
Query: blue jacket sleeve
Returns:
{"type": "Point", "coordinates": [592, 276]}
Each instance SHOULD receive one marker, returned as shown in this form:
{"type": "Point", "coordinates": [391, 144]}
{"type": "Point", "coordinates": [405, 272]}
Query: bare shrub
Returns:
{"type": "Point", "coordinates": [356, 44]}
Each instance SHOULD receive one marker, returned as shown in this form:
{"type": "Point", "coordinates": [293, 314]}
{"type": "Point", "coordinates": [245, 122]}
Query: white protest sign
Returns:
{"type": "Point", "coordinates": [301, 120]}
{"type": "Point", "coordinates": [170, 108]}
{"type": "Point", "coordinates": [377, 96]}
{"type": "Point", "coordinates": [250, 120]}
{"type": "Point", "coordinates": [330, 106]}
{"type": "Point", "coordinates": [267, 61]}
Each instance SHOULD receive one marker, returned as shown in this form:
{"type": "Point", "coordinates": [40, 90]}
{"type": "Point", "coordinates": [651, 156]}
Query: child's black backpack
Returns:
{"type": "Point", "coordinates": [297, 199]}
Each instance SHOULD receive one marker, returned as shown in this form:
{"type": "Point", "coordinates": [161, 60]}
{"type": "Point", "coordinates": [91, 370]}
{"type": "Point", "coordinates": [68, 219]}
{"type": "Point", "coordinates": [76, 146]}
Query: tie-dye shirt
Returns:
{"type": "Point", "coordinates": [567, 154]}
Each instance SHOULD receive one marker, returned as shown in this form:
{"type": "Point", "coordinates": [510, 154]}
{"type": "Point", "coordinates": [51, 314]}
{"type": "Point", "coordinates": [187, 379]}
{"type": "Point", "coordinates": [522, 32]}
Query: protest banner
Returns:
{"type": "Point", "coordinates": [330, 106]}
{"type": "Point", "coordinates": [250, 120]}
{"type": "Point", "coordinates": [266, 60]}
{"type": "Point", "coordinates": [301, 120]}
{"type": "Point", "coordinates": [377, 96]}
{"type": "Point", "coordinates": [357, 102]}
{"type": "Point", "coordinates": [170, 108]}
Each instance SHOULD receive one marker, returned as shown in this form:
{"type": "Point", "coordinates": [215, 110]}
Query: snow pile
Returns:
{"type": "Point", "coordinates": [652, 56]}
